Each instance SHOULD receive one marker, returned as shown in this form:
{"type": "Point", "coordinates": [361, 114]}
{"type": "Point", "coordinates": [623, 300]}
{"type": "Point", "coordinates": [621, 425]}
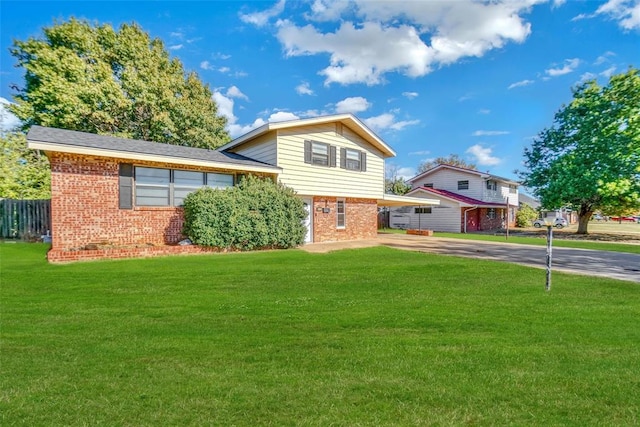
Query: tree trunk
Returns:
{"type": "Point", "coordinates": [583, 222]}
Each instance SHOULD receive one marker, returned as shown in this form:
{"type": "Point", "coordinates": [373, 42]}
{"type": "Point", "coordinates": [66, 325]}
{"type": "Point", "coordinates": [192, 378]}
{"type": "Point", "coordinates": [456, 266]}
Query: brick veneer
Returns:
{"type": "Point", "coordinates": [87, 222]}
{"type": "Point", "coordinates": [481, 220]}
{"type": "Point", "coordinates": [361, 220]}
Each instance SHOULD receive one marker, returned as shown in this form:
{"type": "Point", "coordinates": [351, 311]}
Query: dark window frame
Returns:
{"type": "Point", "coordinates": [171, 186]}
{"type": "Point", "coordinates": [422, 210]}
{"type": "Point", "coordinates": [463, 185]}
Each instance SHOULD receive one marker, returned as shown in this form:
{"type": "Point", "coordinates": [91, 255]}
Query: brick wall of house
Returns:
{"type": "Point", "coordinates": [85, 211]}
{"type": "Point", "coordinates": [361, 221]}
{"type": "Point", "coordinates": [87, 222]}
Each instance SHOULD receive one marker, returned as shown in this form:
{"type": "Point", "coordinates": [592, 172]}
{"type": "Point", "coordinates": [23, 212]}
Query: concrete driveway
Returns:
{"type": "Point", "coordinates": [615, 265]}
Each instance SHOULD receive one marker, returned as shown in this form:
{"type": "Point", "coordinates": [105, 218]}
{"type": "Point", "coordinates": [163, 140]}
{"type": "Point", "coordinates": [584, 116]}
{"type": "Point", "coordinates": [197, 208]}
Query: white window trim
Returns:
{"type": "Point", "coordinates": [343, 214]}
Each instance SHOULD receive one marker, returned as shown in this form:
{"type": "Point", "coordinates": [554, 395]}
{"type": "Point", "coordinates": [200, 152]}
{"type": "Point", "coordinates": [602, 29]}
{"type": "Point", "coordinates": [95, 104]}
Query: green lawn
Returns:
{"type": "Point", "coordinates": [369, 337]}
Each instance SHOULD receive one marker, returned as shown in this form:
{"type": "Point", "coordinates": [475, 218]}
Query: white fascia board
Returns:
{"type": "Point", "coordinates": [395, 200]}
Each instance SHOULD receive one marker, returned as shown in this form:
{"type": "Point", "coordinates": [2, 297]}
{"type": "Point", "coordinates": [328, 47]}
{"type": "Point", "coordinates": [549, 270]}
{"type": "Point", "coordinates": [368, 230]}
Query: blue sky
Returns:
{"type": "Point", "coordinates": [431, 78]}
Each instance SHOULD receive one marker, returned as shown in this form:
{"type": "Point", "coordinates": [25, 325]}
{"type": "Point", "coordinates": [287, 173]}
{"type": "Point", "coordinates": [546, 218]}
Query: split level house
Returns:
{"type": "Point", "coordinates": [116, 197]}
{"type": "Point", "coordinates": [470, 200]}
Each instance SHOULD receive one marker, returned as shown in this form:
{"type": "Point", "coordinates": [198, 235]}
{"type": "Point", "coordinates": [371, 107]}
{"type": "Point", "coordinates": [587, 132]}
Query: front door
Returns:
{"type": "Point", "coordinates": [308, 221]}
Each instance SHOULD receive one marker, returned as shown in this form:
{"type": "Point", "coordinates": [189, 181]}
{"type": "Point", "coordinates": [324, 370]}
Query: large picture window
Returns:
{"type": "Point", "coordinates": [153, 187]}
{"type": "Point", "coordinates": [167, 187]}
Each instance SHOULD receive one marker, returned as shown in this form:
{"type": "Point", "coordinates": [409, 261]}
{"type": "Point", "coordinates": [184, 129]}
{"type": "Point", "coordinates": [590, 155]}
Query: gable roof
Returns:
{"type": "Point", "coordinates": [483, 175]}
{"type": "Point", "coordinates": [348, 120]}
{"type": "Point", "coordinates": [459, 198]}
{"type": "Point", "coordinates": [69, 141]}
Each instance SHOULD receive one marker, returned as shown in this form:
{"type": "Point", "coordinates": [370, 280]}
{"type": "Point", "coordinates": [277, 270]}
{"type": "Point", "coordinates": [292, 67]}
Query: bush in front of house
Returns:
{"type": "Point", "coordinates": [257, 213]}
{"type": "Point", "coordinates": [525, 216]}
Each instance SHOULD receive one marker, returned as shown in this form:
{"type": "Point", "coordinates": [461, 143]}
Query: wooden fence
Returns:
{"type": "Point", "coordinates": [24, 219]}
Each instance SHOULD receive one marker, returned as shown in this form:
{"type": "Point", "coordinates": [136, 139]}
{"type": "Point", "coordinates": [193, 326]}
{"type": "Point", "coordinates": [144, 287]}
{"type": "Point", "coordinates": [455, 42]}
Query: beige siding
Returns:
{"type": "Point", "coordinates": [262, 149]}
{"type": "Point", "coordinates": [308, 179]}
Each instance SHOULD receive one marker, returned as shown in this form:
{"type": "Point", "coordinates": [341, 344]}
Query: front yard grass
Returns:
{"type": "Point", "coordinates": [373, 336]}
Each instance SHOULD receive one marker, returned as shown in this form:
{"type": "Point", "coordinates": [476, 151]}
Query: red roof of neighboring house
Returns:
{"type": "Point", "coordinates": [460, 198]}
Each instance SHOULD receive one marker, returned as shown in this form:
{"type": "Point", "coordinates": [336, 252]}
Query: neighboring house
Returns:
{"type": "Point", "coordinates": [470, 200]}
{"type": "Point", "coordinates": [116, 197]}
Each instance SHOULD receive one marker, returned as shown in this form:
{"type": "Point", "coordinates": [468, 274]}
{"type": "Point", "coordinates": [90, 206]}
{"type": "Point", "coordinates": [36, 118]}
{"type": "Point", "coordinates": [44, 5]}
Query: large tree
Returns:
{"type": "Point", "coordinates": [393, 183]}
{"type": "Point", "coordinates": [24, 173]}
{"type": "Point", "coordinates": [452, 159]}
{"type": "Point", "coordinates": [95, 79]}
{"type": "Point", "coordinates": [589, 159]}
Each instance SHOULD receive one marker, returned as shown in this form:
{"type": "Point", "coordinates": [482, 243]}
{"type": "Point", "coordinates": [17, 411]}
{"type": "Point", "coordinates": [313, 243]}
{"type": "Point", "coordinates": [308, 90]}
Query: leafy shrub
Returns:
{"type": "Point", "coordinates": [255, 214]}
{"type": "Point", "coordinates": [525, 215]}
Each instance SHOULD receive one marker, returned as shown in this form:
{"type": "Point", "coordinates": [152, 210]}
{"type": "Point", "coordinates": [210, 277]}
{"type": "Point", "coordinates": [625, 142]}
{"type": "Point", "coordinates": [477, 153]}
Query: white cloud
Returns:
{"type": "Point", "coordinates": [406, 173]}
{"type": "Point", "coordinates": [608, 72]}
{"type": "Point", "coordinates": [176, 47]}
{"type": "Point", "coordinates": [483, 155]}
{"type": "Point", "coordinates": [260, 19]}
{"type": "Point", "coordinates": [373, 38]}
{"type": "Point", "coordinates": [626, 12]}
{"type": "Point", "coordinates": [304, 89]}
{"type": "Point", "coordinates": [8, 121]}
{"type": "Point", "coordinates": [604, 58]}
{"type": "Point", "coordinates": [225, 106]}
{"type": "Point", "coordinates": [234, 92]}
{"type": "Point", "coordinates": [387, 121]}
{"type": "Point", "coordinates": [410, 95]}
{"type": "Point", "coordinates": [353, 105]}
{"type": "Point", "coordinates": [282, 116]}
{"type": "Point", "coordinates": [420, 153]}
{"type": "Point", "coordinates": [520, 84]}
{"type": "Point", "coordinates": [484, 111]}
{"type": "Point", "coordinates": [587, 76]}
{"type": "Point", "coordinates": [490, 132]}
{"type": "Point", "coordinates": [224, 69]}
{"type": "Point", "coordinates": [569, 66]}
{"type": "Point", "coordinates": [205, 65]}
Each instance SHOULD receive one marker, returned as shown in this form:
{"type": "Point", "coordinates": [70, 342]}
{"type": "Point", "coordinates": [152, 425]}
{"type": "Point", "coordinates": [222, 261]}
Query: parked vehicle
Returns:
{"type": "Point", "coordinates": [557, 223]}
{"type": "Point", "coordinates": [624, 219]}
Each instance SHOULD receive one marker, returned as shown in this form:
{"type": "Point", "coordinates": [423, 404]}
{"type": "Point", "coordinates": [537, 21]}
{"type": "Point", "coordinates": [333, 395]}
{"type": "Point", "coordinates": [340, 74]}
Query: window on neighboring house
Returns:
{"type": "Point", "coordinates": [463, 185]}
{"type": "Point", "coordinates": [492, 185]}
{"type": "Point", "coordinates": [340, 214]}
{"type": "Point", "coordinates": [319, 153]}
{"type": "Point", "coordinates": [167, 187]}
{"type": "Point", "coordinates": [513, 189]}
{"type": "Point", "coordinates": [428, 185]}
{"type": "Point", "coordinates": [491, 213]}
{"type": "Point", "coordinates": [422, 210]}
{"type": "Point", "coordinates": [354, 160]}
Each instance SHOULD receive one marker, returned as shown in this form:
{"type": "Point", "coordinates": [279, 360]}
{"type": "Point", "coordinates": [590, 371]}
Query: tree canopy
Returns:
{"type": "Point", "coordinates": [393, 183]}
{"type": "Point", "coordinates": [589, 159]}
{"type": "Point", "coordinates": [95, 79]}
{"type": "Point", "coordinates": [24, 173]}
{"type": "Point", "coordinates": [452, 159]}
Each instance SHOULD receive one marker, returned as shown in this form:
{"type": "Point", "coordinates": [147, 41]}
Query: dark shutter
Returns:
{"type": "Point", "coordinates": [125, 184]}
{"type": "Point", "coordinates": [343, 158]}
{"type": "Point", "coordinates": [332, 156]}
{"type": "Point", "coordinates": [307, 151]}
{"type": "Point", "coordinates": [363, 161]}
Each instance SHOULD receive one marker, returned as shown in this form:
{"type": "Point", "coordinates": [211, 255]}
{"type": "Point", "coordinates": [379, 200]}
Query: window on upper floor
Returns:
{"type": "Point", "coordinates": [354, 160]}
{"type": "Point", "coordinates": [428, 185]}
{"type": "Point", "coordinates": [422, 210]}
{"type": "Point", "coordinates": [319, 153]}
{"type": "Point", "coordinates": [492, 185]}
{"type": "Point", "coordinates": [463, 185]}
{"type": "Point", "coordinates": [513, 189]}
